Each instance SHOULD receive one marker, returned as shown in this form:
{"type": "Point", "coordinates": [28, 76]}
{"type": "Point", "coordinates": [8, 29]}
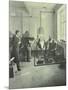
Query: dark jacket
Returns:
{"type": "Point", "coordinates": [15, 50]}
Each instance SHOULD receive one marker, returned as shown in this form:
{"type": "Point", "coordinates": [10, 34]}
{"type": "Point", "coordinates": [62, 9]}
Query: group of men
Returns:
{"type": "Point", "coordinates": [49, 44]}
{"type": "Point", "coordinates": [17, 45]}
{"type": "Point", "coordinates": [49, 48]}
{"type": "Point", "coordinates": [23, 44]}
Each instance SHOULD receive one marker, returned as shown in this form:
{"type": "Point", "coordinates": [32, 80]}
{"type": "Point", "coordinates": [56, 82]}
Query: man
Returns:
{"type": "Point", "coordinates": [39, 44]}
{"type": "Point", "coordinates": [52, 49]}
{"type": "Point", "coordinates": [15, 50]}
{"type": "Point", "coordinates": [25, 42]}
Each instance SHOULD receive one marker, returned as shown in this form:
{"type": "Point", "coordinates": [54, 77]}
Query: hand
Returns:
{"type": "Point", "coordinates": [19, 43]}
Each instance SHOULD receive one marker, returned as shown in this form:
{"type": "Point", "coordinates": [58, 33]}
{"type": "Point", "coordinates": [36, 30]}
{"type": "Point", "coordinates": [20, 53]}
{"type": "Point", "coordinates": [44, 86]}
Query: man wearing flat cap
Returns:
{"type": "Point", "coordinates": [15, 51]}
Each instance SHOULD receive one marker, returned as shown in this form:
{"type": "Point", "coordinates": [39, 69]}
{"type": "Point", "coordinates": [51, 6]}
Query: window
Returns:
{"type": "Point", "coordinates": [61, 23]}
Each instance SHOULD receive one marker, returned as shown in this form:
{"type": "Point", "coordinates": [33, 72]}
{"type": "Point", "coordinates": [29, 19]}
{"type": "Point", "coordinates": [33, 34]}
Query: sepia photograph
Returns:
{"type": "Point", "coordinates": [37, 44]}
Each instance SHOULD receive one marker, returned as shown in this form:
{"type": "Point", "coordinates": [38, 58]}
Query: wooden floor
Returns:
{"type": "Point", "coordinates": [39, 76]}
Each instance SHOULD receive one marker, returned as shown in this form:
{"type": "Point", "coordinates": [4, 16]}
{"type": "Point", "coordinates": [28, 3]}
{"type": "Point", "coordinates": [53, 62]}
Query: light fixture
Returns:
{"type": "Point", "coordinates": [40, 29]}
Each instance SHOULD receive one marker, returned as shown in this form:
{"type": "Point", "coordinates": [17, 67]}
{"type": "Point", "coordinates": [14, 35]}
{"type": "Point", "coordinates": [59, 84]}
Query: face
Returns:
{"type": "Point", "coordinates": [18, 34]}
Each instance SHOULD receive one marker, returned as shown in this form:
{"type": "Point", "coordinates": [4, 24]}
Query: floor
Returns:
{"type": "Point", "coordinates": [37, 76]}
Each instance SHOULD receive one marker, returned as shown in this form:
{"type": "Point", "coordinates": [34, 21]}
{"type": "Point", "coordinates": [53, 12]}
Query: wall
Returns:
{"type": "Point", "coordinates": [15, 20]}
{"type": "Point", "coordinates": [22, 22]}
{"type": "Point", "coordinates": [15, 24]}
{"type": "Point", "coordinates": [47, 22]}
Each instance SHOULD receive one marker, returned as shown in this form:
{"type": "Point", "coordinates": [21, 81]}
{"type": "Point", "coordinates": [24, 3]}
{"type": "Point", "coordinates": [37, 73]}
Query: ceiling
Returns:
{"type": "Point", "coordinates": [39, 5]}
{"type": "Point", "coordinates": [17, 5]}
{"type": "Point", "coordinates": [30, 7]}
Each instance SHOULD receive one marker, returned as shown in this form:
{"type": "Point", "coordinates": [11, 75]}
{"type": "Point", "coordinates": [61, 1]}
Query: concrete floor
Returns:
{"type": "Point", "coordinates": [39, 76]}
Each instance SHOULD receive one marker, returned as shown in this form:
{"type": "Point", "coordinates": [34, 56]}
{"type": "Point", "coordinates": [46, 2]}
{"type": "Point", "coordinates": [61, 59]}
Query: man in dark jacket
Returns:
{"type": "Point", "coordinates": [15, 50]}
